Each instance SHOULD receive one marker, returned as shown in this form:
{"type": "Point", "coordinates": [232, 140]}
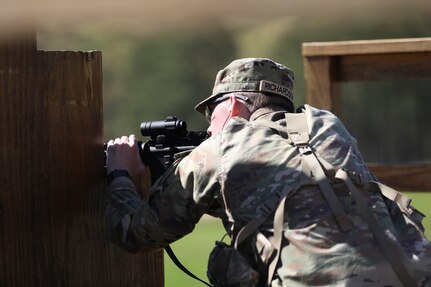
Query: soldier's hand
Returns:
{"type": "Point", "coordinates": [123, 153]}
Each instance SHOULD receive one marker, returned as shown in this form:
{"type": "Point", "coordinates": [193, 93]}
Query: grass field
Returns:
{"type": "Point", "coordinates": [193, 249]}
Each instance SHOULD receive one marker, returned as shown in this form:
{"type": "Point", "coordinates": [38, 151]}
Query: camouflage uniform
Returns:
{"type": "Point", "coordinates": [229, 176]}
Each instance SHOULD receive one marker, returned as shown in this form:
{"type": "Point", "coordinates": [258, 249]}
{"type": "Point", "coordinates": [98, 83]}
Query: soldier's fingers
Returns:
{"type": "Point", "coordinates": [117, 141]}
{"type": "Point", "coordinates": [110, 142]}
{"type": "Point", "coordinates": [124, 139]}
{"type": "Point", "coordinates": [132, 139]}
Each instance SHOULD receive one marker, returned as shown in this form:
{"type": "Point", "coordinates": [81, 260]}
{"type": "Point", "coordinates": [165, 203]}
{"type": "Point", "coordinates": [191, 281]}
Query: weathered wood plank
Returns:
{"type": "Point", "coordinates": [384, 46]}
{"type": "Point", "coordinates": [404, 177]}
{"type": "Point", "coordinates": [384, 67]}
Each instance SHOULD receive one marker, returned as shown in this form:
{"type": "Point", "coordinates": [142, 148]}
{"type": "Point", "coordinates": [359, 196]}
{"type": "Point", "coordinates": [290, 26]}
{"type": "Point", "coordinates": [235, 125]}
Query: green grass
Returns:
{"type": "Point", "coordinates": [193, 250]}
{"type": "Point", "coordinates": [421, 201]}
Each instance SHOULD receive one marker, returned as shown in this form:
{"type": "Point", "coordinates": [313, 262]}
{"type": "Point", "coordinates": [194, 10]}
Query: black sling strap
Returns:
{"type": "Point", "coordinates": [177, 262]}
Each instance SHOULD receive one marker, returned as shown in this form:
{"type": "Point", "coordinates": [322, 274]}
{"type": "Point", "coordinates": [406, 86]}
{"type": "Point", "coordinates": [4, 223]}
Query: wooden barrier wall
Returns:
{"type": "Point", "coordinates": [52, 230]}
{"type": "Point", "coordinates": [329, 64]}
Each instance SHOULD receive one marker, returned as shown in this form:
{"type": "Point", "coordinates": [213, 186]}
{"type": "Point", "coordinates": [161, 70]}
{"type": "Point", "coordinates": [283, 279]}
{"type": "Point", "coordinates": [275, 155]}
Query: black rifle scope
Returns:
{"type": "Point", "coordinates": [168, 127]}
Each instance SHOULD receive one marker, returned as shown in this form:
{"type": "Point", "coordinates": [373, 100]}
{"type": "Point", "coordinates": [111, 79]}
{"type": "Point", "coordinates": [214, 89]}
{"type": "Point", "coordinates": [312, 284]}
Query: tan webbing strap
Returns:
{"type": "Point", "coordinates": [402, 200]}
{"type": "Point", "coordinates": [328, 168]}
{"type": "Point", "coordinates": [390, 249]}
{"type": "Point", "coordinates": [264, 248]}
{"type": "Point", "coordinates": [275, 201]}
{"type": "Point", "coordinates": [297, 128]}
{"type": "Point", "coordinates": [266, 209]}
{"type": "Point", "coordinates": [298, 132]}
{"type": "Point", "coordinates": [306, 173]}
{"type": "Point", "coordinates": [328, 192]}
{"type": "Point", "coordinates": [278, 232]}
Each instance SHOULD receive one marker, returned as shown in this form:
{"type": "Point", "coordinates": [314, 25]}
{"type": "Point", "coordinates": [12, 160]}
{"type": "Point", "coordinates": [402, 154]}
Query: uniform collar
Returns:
{"type": "Point", "coordinates": [277, 112]}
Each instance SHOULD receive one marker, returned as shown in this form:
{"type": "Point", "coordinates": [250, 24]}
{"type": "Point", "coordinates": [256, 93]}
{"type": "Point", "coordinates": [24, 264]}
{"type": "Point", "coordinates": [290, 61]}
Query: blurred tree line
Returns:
{"type": "Point", "coordinates": [150, 76]}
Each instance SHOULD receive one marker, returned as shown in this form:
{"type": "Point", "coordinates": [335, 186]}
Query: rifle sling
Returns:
{"type": "Point", "coordinates": [177, 262]}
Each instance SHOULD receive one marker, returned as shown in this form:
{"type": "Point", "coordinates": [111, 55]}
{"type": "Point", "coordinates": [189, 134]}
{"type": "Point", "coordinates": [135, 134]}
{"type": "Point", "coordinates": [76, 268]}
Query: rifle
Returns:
{"type": "Point", "coordinates": [168, 138]}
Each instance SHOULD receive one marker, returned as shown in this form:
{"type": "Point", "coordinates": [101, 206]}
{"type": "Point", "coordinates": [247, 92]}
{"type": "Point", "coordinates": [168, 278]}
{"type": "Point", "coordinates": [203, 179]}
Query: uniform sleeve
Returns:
{"type": "Point", "coordinates": [187, 190]}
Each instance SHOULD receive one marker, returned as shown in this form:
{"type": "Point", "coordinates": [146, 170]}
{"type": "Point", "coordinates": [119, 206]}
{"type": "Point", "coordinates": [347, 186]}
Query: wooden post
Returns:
{"type": "Point", "coordinates": [52, 230]}
{"type": "Point", "coordinates": [323, 89]}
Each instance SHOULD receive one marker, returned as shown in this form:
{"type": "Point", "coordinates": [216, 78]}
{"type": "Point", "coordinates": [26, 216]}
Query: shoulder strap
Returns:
{"type": "Point", "coordinates": [278, 237]}
{"type": "Point", "coordinates": [297, 130]}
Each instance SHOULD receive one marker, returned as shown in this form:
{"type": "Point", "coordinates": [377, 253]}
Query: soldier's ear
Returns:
{"type": "Point", "coordinates": [235, 106]}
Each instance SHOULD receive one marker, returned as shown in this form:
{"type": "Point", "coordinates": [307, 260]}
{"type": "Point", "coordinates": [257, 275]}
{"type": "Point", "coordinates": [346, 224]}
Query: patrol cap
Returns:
{"type": "Point", "coordinates": [252, 74]}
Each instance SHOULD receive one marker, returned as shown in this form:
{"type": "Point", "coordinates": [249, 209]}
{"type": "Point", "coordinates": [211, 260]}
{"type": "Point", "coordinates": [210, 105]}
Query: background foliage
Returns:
{"type": "Point", "coordinates": [148, 76]}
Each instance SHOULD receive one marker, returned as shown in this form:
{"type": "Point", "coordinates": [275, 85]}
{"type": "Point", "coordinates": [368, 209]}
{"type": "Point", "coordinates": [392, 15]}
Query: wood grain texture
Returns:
{"type": "Point", "coordinates": [407, 177]}
{"type": "Point", "coordinates": [384, 67]}
{"type": "Point", "coordinates": [381, 46]}
{"type": "Point", "coordinates": [52, 230]}
{"type": "Point", "coordinates": [323, 91]}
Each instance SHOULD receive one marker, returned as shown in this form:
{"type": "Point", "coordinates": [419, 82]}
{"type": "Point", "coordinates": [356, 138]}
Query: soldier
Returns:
{"type": "Point", "coordinates": [292, 190]}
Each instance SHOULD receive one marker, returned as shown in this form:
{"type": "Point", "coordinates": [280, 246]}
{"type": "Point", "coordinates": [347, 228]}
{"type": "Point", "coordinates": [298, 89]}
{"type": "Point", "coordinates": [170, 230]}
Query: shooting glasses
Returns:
{"type": "Point", "coordinates": [209, 108]}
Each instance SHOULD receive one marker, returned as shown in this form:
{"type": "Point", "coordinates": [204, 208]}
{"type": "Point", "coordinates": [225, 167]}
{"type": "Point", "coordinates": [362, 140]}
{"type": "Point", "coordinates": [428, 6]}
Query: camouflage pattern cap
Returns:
{"type": "Point", "coordinates": [252, 74]}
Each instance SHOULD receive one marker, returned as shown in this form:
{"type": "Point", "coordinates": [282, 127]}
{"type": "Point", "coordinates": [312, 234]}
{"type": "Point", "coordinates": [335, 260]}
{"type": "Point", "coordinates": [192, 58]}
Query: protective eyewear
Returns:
{"type": "Point", "coordinates": [209, 108]}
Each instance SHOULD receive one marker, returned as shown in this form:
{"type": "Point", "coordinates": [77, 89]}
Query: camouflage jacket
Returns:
{"type": "Point", "coordinates": [229, 175]}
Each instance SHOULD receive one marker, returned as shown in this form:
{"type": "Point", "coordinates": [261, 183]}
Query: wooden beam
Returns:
{"type": "Point", "coordinates": [398, 66]}
{"type": "Point", "coordinates": [404, 177]}
{"type": "Point", "coordinates": [362, 47]}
